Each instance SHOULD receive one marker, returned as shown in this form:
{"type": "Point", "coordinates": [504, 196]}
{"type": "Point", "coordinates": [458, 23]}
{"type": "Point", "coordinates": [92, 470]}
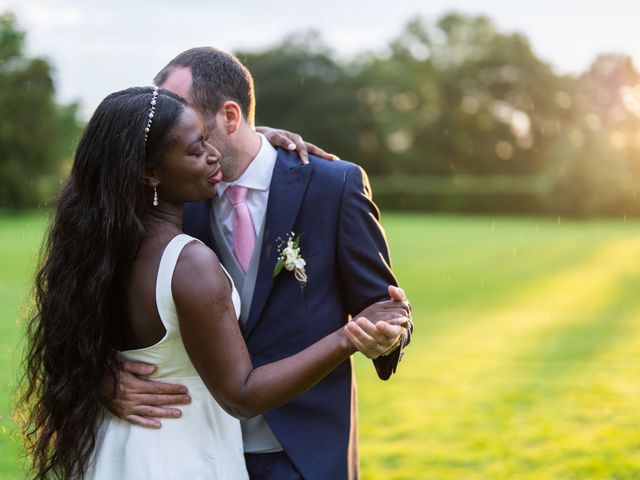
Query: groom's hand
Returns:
{"type": "Point", "coordinates": [293, 141]}
{"type": "Point", "coordinates": [141, 401]}
{"type": "Point", "coordinates": [373, 340]}
{"type": "Point", "coordinates": [396, 311]}
{"type": "Point", "coordinates": [378, 329]}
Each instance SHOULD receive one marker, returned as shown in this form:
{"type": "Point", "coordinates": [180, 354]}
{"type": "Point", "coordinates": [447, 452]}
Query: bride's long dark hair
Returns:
{"type": "Point", "coordinates": [95, 233]}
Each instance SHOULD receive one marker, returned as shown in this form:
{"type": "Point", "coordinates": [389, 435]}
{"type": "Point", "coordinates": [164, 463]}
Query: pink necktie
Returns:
{"type": "Point", "coordinates": [244, 235]}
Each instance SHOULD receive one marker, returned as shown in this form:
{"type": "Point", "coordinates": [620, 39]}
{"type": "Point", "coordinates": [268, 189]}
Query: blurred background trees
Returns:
{"type": "Point", "coordinates": [454, 115]}
{"type": "Point", "coordinates": [458, 116]}
{"type": "Point", "coordinates": [36, 134]}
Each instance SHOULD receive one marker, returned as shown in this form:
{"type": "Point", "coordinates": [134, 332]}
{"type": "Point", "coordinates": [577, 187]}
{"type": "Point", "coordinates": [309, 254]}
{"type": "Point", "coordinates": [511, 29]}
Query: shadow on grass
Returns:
{"type": "Point", "coordinates": [561, 352]}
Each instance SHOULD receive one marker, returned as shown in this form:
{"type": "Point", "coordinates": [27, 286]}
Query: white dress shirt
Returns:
{"type": "Point", "coordinates": [257, 178]}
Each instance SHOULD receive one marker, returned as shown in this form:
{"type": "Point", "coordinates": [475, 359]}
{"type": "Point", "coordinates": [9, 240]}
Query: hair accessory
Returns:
{"type": "Point", "coordinates": [155, 197]}
{"type": "Point", "coordinates": [154, 100]}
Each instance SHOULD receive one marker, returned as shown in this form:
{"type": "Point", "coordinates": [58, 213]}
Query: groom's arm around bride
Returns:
{"type": "Point", "coordinates": [328, 206]}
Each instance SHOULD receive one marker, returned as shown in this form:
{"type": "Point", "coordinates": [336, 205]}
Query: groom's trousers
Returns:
{"type": "Point", "coordinates": [271, 466]}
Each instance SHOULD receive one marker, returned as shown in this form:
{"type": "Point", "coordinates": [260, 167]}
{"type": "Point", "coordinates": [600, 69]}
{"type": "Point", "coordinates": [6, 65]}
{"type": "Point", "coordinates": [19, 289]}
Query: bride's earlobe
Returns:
{"type": "Point", "coordinates": [150, 180]}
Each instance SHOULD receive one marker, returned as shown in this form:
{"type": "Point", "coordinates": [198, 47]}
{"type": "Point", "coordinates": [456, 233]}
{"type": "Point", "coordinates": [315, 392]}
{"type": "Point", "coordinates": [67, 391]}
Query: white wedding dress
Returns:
{"type": "Point", "coordinates": [205, 443]}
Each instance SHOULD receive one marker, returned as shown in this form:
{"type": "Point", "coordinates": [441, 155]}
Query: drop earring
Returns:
{"type": "Point", "coordinates": [155, 197]}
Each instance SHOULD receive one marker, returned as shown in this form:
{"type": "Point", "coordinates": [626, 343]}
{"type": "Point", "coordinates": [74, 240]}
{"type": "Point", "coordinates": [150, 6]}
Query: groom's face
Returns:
{"type": "Point", "coordinates": [180, 81]}
{"type": "Point", "coordinates": [219, 138]}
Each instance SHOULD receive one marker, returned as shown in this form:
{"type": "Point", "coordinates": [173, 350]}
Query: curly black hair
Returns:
{"type": "Point", "coordinates": [94, 235]}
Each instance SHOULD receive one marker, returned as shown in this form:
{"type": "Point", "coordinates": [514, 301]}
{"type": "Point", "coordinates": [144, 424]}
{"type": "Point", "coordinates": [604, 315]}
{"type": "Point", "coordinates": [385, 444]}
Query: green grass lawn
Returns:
{"type": "Point", "coordinates": [20, 240]}
{"type": "Point", "coordinates": [525, 362]}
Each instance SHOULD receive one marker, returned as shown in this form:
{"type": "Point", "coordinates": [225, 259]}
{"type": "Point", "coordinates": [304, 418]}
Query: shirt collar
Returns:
{"type": "Point", "coordinates": [258, 174]}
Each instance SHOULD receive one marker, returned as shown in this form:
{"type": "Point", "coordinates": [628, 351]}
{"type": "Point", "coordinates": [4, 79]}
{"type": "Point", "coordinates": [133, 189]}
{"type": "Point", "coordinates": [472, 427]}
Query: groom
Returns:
{"type": "Point", "coordinates": [266, 197]}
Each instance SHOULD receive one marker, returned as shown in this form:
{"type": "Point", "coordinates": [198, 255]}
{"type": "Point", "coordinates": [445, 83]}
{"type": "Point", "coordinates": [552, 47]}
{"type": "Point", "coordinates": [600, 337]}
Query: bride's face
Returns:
{"type": "Point", "coordinates": [191, 166]}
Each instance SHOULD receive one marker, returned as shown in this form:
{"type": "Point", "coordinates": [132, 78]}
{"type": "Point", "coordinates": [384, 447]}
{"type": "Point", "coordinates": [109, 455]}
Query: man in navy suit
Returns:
{"type": "Point", "coordinates": [328, 206]}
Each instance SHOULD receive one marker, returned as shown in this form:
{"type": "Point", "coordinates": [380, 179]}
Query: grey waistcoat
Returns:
{"type": "Point", "coordinates": [256, 434]}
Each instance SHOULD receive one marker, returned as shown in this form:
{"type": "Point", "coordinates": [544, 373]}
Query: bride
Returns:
{"type": "Point", "coordinates": [119, 280]}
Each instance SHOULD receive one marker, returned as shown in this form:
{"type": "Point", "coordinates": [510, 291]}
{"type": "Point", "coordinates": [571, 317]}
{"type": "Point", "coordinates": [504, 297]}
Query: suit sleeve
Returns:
{"type": "Point", "coordinates": [363, 257]}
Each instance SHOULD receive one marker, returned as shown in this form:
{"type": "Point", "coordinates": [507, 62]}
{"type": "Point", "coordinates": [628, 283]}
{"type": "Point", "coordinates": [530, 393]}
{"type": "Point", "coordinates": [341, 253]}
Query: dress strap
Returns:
{"type": "Point", "coordinates": [164, 295]}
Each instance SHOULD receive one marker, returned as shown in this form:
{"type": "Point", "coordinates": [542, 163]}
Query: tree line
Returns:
{"type": "Point", "coordinates": [453, 115]}
{"type": "Point", "coordinates": [36, 133]}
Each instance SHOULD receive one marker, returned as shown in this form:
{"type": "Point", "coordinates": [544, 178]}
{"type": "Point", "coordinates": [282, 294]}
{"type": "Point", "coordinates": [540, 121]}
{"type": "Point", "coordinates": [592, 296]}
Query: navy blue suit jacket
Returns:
{"type": "Point", "coordinates": [329, 205]}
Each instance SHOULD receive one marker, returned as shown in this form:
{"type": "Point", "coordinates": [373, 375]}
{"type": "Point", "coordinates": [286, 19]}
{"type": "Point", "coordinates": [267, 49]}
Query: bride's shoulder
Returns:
{"type": "Point", "coordinates": [195, 250]}
{"type": "Point", "coordinates": [197, 265]}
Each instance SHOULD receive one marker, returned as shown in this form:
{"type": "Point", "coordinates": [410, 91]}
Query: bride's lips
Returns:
{"type": "Point", "coordinates": [215, 177]}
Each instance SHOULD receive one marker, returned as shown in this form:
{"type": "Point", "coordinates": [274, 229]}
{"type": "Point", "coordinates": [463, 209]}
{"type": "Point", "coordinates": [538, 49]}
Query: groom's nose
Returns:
{"type": "Point", "coordinates": [213, 153]}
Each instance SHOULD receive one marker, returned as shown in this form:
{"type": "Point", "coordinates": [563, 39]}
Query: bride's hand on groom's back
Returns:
{"type": "Point", "coordinates": [141, 401]}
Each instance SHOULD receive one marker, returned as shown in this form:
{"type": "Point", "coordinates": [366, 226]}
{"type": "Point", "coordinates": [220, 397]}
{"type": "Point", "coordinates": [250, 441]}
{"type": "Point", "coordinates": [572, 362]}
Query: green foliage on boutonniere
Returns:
{"type": "Point", "coordinates": [290, 259]}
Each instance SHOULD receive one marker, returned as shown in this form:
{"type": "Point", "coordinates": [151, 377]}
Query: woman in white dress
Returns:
{"type": "Point", "coordinates": [120, 280]}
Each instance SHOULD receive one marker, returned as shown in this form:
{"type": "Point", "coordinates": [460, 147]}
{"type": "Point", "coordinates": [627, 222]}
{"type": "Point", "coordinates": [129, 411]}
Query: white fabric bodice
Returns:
{"type": "Point", "coordinates": [205, 443]}
{"type": "Point", "coordinates": [169, 354]}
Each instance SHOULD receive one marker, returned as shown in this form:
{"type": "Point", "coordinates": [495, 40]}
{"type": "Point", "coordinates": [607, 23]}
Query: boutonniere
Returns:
{"type": "Point", "coordinates": [290, 259]}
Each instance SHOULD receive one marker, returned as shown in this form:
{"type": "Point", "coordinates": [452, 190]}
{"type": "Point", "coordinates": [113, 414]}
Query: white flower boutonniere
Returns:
{"type": "Point", "coordinates": [290, 259]}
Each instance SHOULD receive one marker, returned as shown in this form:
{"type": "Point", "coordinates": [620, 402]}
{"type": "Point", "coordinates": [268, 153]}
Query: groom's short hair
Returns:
{"type": "Point", "coordinates": [217, 76]}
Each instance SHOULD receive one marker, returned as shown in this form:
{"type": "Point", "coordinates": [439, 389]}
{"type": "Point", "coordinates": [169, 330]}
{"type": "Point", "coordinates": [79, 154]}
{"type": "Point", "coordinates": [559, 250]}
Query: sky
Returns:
{"type": "Point", "coordinates": [98, 47]}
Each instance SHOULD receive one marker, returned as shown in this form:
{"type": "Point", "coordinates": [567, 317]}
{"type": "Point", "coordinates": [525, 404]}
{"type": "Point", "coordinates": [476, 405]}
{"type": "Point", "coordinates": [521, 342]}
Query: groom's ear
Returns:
{"type": "Point", "coordinates": [232, 116]}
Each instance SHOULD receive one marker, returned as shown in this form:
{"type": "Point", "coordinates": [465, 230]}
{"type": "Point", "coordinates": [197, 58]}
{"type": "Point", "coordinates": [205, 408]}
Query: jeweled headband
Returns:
{"type": "Point", "coordinates": [154, 100]}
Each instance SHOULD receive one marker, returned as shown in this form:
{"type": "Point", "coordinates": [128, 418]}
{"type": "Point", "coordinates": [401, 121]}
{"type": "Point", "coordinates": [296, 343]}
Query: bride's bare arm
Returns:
{"type": "Point", "coordinates": [144, 402]}
{"type": "Point", "coordinates": [212, 338]}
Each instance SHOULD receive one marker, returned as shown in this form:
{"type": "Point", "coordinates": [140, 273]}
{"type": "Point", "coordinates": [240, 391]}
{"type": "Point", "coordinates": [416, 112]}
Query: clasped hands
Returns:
{"type": "Point", "coordinates": [378, 330]}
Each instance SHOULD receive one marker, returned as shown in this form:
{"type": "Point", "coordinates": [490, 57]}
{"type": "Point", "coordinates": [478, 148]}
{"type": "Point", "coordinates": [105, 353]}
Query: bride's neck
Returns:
{"type": "Point", "coordinates": [162, 218]}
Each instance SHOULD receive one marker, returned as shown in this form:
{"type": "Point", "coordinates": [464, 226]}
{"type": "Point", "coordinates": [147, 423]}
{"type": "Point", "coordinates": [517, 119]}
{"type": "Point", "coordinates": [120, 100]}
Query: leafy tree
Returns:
{"type": "Point", "coordinates": [596, 169]}
{"type": "Point", "coordinates": [457, 97]}
{"type": "Point", "coordinates": [299, 86]}
{"type": "Point", "coordinates": [465, 99]}
{"type": "Point", "coordinates": [32, 127]}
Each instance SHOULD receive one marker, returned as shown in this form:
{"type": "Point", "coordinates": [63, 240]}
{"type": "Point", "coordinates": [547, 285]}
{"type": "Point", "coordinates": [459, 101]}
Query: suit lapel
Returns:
{"type": "Point", "coordinates": [211, 218]}
{"type": "Point", "coordinates": [286, 192]}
